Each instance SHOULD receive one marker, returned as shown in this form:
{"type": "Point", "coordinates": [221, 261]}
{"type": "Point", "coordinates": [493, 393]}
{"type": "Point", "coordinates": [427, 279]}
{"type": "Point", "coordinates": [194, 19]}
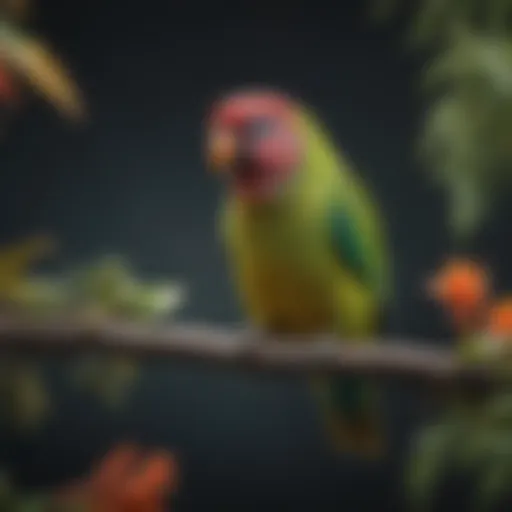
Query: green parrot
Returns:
{"type": "Point", "coordinates": [304, 241]}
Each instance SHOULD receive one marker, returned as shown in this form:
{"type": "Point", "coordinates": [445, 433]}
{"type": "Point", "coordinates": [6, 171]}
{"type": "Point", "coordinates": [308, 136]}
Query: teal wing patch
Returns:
{"type": "Point", "coordinates": [348, 244]}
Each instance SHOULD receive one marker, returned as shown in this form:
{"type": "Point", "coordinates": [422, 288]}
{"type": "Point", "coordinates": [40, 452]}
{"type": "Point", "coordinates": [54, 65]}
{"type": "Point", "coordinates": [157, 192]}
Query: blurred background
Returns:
{"type": "Point", "coordinates": [131, 180]}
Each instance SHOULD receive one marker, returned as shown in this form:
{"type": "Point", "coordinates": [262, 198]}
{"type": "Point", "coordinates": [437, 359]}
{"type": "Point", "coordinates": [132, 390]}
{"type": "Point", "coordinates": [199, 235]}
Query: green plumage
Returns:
{"type": "Point", "coordinates": [314, 260]}
{"type": "Point", "coordinates": [348, 246]}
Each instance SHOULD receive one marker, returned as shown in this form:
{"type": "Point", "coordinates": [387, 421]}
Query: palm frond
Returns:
{"type": "Point", "coordinates": [43, 71]}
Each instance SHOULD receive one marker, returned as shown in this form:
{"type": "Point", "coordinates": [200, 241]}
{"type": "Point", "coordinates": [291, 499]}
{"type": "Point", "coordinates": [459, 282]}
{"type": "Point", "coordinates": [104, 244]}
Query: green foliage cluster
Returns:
{"type": "Point", "coordinates": [465, 140]}
{"type": "Point", "coordinates": [472, 437]}
{"type": "Point", "coordinates": [465, 143]}
{"type": "Point", "coordinates": [475, 441]}
{"type": "Point", "coordinates": [104, 290]}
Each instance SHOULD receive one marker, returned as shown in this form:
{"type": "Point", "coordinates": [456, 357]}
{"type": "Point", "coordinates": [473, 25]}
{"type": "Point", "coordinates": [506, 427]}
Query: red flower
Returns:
{"type": "Point", "coordinates": [127, 480]}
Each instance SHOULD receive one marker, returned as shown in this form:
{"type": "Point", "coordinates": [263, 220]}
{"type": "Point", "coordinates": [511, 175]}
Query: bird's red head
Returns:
{"type": "Point", "coordinates": [254, 139]}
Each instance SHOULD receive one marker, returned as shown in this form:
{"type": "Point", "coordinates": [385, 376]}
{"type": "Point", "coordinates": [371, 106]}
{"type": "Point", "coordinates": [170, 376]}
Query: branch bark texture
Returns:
{"type": "Point", "coordinates": [241, 348]}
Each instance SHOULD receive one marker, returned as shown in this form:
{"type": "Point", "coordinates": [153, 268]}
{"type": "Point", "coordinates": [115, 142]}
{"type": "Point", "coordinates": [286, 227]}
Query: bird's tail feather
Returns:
{"type": "Point", "coordinates": [350, 415]}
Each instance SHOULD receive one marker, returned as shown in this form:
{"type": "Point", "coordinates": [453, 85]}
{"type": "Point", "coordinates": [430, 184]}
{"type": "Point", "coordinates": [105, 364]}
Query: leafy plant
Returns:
{"type": "Point", "coordinates": [466, 133]}
{"type": "Point", "coordinates": [104, 290]}
{"type": "Point", "coordinates": [471, 437]}
{"type": "Point", "coordinates": [476, 441]}
{"type": "Point", "coordinates": [108, 289]}
{"type": "Point", "coordinates": [26, 59]}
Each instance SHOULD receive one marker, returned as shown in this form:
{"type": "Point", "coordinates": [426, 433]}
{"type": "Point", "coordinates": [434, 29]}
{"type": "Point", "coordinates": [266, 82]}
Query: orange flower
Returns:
{"type": "Point", "coordinates": [150, 485]}
{"type": "Point", "coordinates": [500, 318]}
{"type": "Point", "coordinates": [113, 471]}
{"type": "Point", "coordinates": [127, 480]}
{"type": "Point", "coordinates": [462, 287]}
{"type": "Point", "coordinates": [66, 496]}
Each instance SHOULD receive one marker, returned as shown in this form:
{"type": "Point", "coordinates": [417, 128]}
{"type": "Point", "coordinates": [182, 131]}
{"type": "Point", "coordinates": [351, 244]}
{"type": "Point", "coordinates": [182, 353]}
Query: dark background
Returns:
{"type": "Point", "coordinates": [133, 182]}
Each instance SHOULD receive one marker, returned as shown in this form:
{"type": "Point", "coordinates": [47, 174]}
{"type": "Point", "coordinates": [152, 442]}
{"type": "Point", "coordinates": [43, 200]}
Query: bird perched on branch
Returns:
{"type": "Point", "coordinates": [304, 240]}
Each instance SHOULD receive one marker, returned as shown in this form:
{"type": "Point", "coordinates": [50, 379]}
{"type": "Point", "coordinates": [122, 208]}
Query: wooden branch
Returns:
{"type": "Point", "coordinates": [240, 348]}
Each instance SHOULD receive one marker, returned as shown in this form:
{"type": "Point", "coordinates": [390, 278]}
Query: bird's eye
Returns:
{"type": "Point", "coordinates": [260, 128]}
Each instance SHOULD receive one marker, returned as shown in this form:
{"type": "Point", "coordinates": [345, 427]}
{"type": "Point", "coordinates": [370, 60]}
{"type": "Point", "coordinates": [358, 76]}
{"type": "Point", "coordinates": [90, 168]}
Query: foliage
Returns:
{"type": "Point", "coordinates": [108, 289]}
{"type": "Point", "coordinates": [97, 292]}
{"type": "Point", "coordinates": [24, 399]}
{"type": "Point", "coordinates": [432, 22]}
{"type": "Point", "coordinates": [466, 133]}
{"type": "Point", "coordinates": [474, 438]}
{"type": "Point", "coordinates": [27, 59]}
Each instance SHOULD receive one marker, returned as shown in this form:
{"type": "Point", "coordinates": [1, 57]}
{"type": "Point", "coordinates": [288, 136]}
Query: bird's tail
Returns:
{"type": "Point", "coordinates": [349, 409]}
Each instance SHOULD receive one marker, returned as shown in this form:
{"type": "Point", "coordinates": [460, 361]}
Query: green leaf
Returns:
{"type": "Point", "coordinates": [41, 296]}
{"type": "Point", "coordinates": [103, 282]}
{"type": "Point", "coordinates": [498, 410]}
{"type": "Point", "coordinates": [109, 288]}
{"type": "Point", "coordinates": [35, 63]}
{"type": "Point", "coordinates": [434, 451]}
{"type": "Point", "coordinates": [25, 402]}
{"type": "Point", "coordinates": [468, 208]}
{"type": "Point", "coordinates": [152, 301]}
{"type": "Point", "coordinates": [494, 482]}
{"type": "Point", "coordinates": [498, 14]}
{"type": "Point", "coordinates": [37, 503]}
{"type": "Point", "coordinates": [109, 378]}
{"type": "Point", "coordinates": [478, 447]}
{"type": "Point", "coordinates": [429, 24]}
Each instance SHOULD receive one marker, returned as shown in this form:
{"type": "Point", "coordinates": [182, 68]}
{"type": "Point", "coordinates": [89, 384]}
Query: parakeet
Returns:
{"type": "Point", "coordinates": [304, 241]}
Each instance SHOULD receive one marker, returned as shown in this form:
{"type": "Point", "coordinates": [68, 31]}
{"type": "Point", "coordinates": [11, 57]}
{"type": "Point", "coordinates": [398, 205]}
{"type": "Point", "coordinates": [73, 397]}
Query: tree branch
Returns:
{"type": "Point", "coordinates": [241, 348]}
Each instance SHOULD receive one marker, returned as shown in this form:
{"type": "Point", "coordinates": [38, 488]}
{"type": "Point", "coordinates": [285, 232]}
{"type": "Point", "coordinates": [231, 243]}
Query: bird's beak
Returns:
{"type": "Point", "coordinates": [221, 152]}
